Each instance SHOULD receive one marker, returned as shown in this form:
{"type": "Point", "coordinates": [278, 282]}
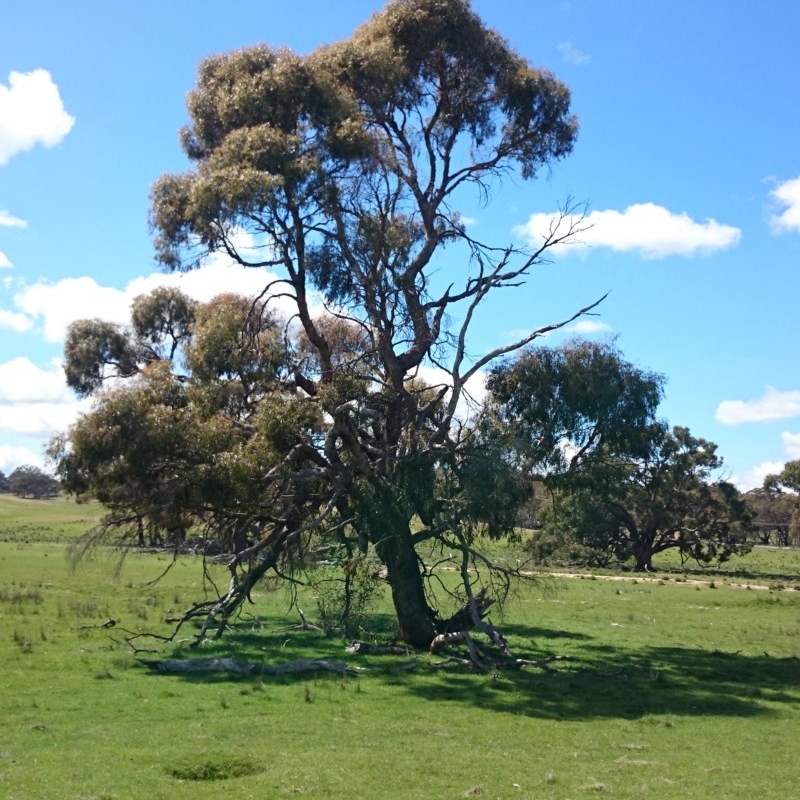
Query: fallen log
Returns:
{"type": "Point", "coordinates": [235, 666]}
{"type": "Point", "coordinates": [541, 662]}
{"type": "Point", "coordinates": [367, 649]}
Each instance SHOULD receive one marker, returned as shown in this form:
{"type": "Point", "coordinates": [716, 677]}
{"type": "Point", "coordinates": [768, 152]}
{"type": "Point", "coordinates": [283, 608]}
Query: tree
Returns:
{"type": "Point", "coordinates": [788, 478]}
{"type": "Point", "coordinates": [560, 408]}
{"type": "Point", "coordinates": [345, 167]}
{"type": "Point", "coordinates": [667, 499]}
{"type": "Point", "coordinates": [4, 485]}
{"type": "Point", "coordinates": [777, 505]}
{"type": "Point", "coordinates": [95, 350]}
{"type": "Point", "coordinates": [30, 481]}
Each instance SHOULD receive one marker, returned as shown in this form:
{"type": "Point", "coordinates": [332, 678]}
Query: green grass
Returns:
{"type": "Point", "coordinates": [678, 691]}
{"type": "Point", "coordinates": [57, 519]}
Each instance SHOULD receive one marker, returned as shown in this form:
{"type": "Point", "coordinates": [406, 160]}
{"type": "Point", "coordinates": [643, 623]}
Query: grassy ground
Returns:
{"type": "Point", "coordinates": [678, 690]}
{"type": "Point", "coordinates": [56, 519]}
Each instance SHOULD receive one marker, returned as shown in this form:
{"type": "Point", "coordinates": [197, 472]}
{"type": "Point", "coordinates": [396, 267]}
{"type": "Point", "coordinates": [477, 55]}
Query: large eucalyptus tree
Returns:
{"type": "Point", "coordinates": [347, 168]}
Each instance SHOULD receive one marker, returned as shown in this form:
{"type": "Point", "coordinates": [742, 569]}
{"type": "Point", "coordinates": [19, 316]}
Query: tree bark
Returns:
{"type": "Point", "coordinates": [415, 618]}
{"type": "Point", "coordinates": [644, 558]}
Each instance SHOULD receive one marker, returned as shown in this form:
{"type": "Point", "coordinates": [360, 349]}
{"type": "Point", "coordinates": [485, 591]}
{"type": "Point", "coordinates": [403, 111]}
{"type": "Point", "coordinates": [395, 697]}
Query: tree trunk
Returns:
{"type": "Point", "coordinates": [382, 517]}
{"type": "Point", "coordinates": [644, 558]}
{"type": "Point", "coordinates": [415, 618]}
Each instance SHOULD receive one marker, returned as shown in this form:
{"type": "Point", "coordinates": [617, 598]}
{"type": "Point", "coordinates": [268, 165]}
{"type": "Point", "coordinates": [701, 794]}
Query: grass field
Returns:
{"type": "Point", "coordinates": [678, 690]}
{"type": "Point", "coordinates": [56, 519]}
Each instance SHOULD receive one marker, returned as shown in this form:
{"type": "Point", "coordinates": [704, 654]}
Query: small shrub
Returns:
{"type": "Point", "coordinates": [345, 596]}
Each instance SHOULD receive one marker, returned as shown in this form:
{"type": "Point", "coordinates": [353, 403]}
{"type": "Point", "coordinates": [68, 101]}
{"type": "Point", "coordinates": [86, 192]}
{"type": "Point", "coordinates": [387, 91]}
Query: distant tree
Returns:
{"type": "Point", "coordinates": [787, 479]}
{"type": "Point", "coordinates": [4, 484]}
{"type": "Point", "coordinates": [30, 481]}
{"type": "Point", "coordinates": [347, 168]}
{"type": "Point", "coordinates": [778, 498]}
{"type": "Point", "coordinates": [559, 408]}
{"type": "Point", "coordinates": [668, 499]}
{"type": "Point", "coordinates": [772, 515]}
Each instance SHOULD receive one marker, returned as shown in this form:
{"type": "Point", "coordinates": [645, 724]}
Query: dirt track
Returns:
{"type": "Point", "coordinates": [721, 582]}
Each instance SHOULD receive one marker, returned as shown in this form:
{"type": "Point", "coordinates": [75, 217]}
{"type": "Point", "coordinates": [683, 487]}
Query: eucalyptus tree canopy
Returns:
{"type": "Point", "coordinates": [667, 498]}
{"type": "Point", "coordinates": [343, 171]}
{"type": "Point", "coordinates": [784, 488]}
{"type": "Point", "coordinates": [559, 409]}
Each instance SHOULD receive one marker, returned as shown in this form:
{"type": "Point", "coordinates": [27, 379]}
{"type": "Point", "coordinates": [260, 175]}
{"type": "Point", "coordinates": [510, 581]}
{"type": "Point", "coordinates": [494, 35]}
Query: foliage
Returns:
{"type": "Point", "coordinates": [787, 479]}
{"type": "Point", "coordinates": [636, 508]}
{"type": "Point", "coordinates": [4, 484]}
{"type": "Point", "coordinates": [95, 350]}
{"type": "Point", "coordinates": [343, 170]}
{"type": "Point", "coordinates": [345, 595]}
{"type": "Point", "coordinates": [558, 409]}
{"type": "Point", "coordinates": [775, 516]}
{"type": "Point", "coordinates": [30, 481]}
{"type": "Point", "coordinates": [779, 498]}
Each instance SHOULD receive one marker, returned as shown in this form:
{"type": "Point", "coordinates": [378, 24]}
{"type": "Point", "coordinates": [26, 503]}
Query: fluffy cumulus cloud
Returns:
{"type": "Point", "coordinates": [4, 262]}
{"type": "Point", "coordinates": [755, 477]}
{"type": "Point", "coordinates": [791, 444]}
{"type": "Point", "coordinates": [647, 229]}
{"type": "Point", "coordinates": [572, 54]}
{"type": "Point", "coordinates": [15, 321]}
{"type": "Point", "coordinates": [31, 113]}
{"type": "Point", "coordinates": [788, 196]}
{"type": "Point", "coordinates": [53, 306]}
{"type": "Point", "coordinates": [12, 457]}
{"type": "Point", "coordinates": [772, 405]}
{"type": "Point", "coordinates": [21, 381]}
{"type": "Point", "coordinates": [35, 401]}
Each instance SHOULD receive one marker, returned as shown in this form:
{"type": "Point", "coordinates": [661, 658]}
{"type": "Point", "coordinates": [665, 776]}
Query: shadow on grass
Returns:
{"type": "Point", "coordinates": [617, 683]}
{"type": "Point", "coordinates": [604, 681]}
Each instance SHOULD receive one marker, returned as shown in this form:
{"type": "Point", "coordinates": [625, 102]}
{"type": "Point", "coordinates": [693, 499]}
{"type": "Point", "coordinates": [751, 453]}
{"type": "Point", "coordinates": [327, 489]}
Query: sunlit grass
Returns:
{"type": "Point", "coordinates": [56, 519]}
{"type": "Point", "coordinates": [678, 690]}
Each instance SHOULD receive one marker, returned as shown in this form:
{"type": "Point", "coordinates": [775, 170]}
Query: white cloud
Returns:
{"type": "Point", "coordinates": [791, 444]}
{"type": "Point", "coordinates": [755, 477]}
{"type": "Point", "coordinates": [771, 405]}
{"type": "Point", "coordinates": [69, 299]}
{"type": "Point", "coordinates": [787, 194]}
{"type": "Point", "coordinates": [571, 53]}
{"type": "Point", "coordinates": [13, 457]}
{"type": "Point", "coordinates": [14, 321]}
{"type": "Point", "coordinates": [650, 230]}
{"type": "Point", "coordinates": [21, 381]}
{"type": "Point", "coordinates": [588, 327]}
{"type": "Point", "coordinates": [4, 262]}
{"type": "Point", "coordinates": [40, 419]}
{"type": "Point", "coordinates": [31, 112]}
{"type": "Point", "coordinates": [9, 221]}
{"type": "Point", "coordinates": [58, 304]}
{"type": "Point", "coordinates": [36, 401]}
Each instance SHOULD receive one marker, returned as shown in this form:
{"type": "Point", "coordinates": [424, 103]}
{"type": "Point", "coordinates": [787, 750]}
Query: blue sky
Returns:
{"type": "Point", "coordinates": [688, 157]}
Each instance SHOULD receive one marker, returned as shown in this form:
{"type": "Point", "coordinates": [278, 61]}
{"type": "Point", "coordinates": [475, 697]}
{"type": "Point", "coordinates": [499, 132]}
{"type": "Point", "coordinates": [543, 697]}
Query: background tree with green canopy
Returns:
{"type": "Point", "coordinates": [346, 168]}
{"type": "Point", "coordinates": [581, 420]}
